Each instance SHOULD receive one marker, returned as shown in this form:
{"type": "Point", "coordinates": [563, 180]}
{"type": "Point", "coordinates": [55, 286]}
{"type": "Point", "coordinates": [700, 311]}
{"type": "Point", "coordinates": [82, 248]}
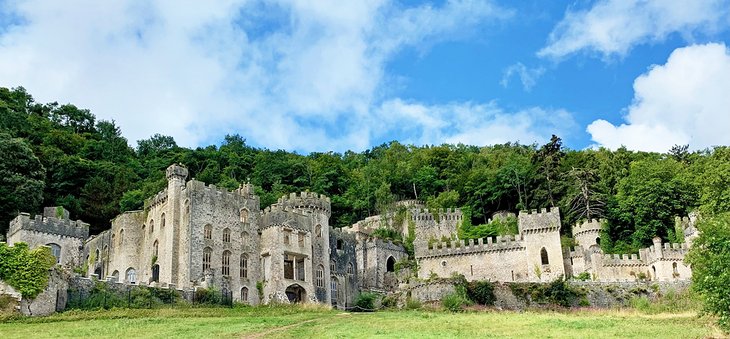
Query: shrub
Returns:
{"type": "Point", "coordinates": [557, 292]}
{"type": "Point", "coordinates": [390, 301]}
{"type": "Point", "coordinates": [583, 276]}
{"type": "Point", "coordinates": [208, 296]}
{"type": "Point", "coordinates": [24, 269]}
{"type": "Point", "coordinates": [481, 292]}
{"type": "Point", "coordinates": [365, 302]}
{"type": "Point", "coordinates": [413, 304]}
{"type": "Point", "coordinates": [454, 302]}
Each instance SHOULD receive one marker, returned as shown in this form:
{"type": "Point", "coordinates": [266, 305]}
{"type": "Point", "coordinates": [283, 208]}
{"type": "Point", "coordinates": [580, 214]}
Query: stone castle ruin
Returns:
{"type": "Point", "coordinates": [195, 236]}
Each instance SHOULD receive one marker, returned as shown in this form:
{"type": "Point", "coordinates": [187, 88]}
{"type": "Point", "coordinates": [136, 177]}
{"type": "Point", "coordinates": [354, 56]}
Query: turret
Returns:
{"type": "Point", "coordinates": [177, 173]}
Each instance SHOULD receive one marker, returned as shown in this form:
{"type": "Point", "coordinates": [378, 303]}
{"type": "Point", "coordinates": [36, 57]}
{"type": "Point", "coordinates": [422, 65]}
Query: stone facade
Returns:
{"type": "Point", "coordinates": [191, 235]}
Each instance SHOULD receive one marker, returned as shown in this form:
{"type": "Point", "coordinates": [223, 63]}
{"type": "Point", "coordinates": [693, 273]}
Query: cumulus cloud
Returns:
{"type": "Point", "coordinates": [528, 76]}
{"type": "Point", "coordinates": [474, 124]}
{"type": "Point", "coordinates": [291, 74]}
{"type": "Point", "coordinates": [613, 27]}
{"type": "Point", "coordinates": [684, 101]}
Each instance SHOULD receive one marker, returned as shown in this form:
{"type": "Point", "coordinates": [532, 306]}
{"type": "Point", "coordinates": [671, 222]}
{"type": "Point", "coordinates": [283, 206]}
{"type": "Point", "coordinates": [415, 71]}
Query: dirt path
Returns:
{"type": "Point", "coordinates": [276, 329]}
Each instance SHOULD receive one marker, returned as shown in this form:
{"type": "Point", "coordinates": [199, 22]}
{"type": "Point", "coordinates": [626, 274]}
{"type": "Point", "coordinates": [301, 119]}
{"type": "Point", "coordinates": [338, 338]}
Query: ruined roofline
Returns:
{"type": "Point", "coordinates": [425, 214]}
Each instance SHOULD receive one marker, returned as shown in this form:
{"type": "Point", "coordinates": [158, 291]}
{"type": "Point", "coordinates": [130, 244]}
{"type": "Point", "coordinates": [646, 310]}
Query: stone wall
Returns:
{"type": "Point", "coordinates": [52, 299]}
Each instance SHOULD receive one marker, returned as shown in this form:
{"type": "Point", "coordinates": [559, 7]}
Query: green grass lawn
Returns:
{"type": "Point", "coordinates": [298, 322]}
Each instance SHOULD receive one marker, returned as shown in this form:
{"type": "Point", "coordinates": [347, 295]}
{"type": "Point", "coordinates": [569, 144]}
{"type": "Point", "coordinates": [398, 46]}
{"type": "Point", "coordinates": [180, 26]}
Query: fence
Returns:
{"type": "Point", "coordinates": [103, 295]}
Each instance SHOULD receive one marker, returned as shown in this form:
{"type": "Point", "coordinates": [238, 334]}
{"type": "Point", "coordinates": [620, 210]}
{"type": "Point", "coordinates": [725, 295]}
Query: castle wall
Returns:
{"type": "Point", "coordinates": [503, 259]}
{"type": "Point", "coordinates": [345, 274]}
{"type": "Point", "coordinates": [373, 267]}
{"type": "Point", "coordinates": [429, 226]}
{"type": "Point", "coordinates": [53, 227]}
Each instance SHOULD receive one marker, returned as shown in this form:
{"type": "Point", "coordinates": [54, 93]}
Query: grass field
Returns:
{"type": "Point", "coordinates": [317, 322]}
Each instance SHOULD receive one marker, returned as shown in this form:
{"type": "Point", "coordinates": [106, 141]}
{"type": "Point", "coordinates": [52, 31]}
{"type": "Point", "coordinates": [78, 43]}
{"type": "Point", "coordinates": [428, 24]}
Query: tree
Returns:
{"type": "Point", "coordinates": [586, 203]}
{"type": "Point", "coordinates": [548, 161]}
{"type": "Point", "coordinates": [710, 260]}
{"type": "Point", "coordinates": [21, 179]}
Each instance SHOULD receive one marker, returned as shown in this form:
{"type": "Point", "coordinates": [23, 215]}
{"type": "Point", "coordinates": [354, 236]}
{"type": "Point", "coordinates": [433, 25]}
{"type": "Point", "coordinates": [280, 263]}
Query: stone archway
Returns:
{"type": "Point", "coordinates": [296, 293]}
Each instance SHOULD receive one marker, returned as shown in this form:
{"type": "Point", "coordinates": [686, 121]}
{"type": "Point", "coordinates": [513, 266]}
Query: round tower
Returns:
{"type": "Point", "coordinates": [587, 233]}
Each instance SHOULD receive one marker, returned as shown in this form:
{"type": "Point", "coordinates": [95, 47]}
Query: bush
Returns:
{"type": "Point", "coordinates": [454, 302]}
{"type": "Point", "coordinates": [390, 301]}
{"type": "Point", "coordinates": [481, 292]}
{"type": "Point", "coordinates": [208, 296]}
{"type": "Point", "coordinates": [365, 302]}
{"type": "Point", "coordinates": [557, 292]}
{"type": "Point", "coordinates": [413, 304]}
{"type": "Point", "coordinates": [583, 276]}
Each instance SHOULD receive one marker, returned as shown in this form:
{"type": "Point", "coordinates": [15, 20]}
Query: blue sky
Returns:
{"type": "Point", "coordinates": [327, 75]}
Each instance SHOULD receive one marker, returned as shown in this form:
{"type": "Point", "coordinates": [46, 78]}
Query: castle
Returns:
{"type": "Point", "coordinates": [191, 235]}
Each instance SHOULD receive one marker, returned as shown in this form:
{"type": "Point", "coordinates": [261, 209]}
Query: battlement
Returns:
{"type": "Point", "coordinates": [158, 199]}
{"type": "Point", "coordinates": [588, 226]}
{"type": "Point", "coordinates": [245, 191]}
{"type": "Point", "coordinates": [306, 201]}
{"type": "Point", "coordinates": [546, 220]}
{"type": "Point", "coordinates": [48, 224]}
{"type": "Point", "coordinates": [458, 247]}
{"type": "Point", "coordinates": [177, 171]}
{"type": "Point", "coordinates": [448, 214]}
{"type": "Point", "coordinates": [412, 203]}
{"type": "Point", "coordinates": [622, 260]}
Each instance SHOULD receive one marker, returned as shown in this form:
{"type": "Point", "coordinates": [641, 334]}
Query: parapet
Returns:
{"type": "Point", "coordinates": [413, 203]}
{"type": "Point", "coordinates": [587, 227]}
{"type": "Point", "coordinates": [177, 171]}
{"type": "Point", "coordinates": [622, 260]}
{"type": "Point", "coordinates": [448, 214]}
{"type": "Point", "coordinates": [306, 201]}
{"type": "Point", "coordinates": [547, 220]}
{"type": "Point", "coordinates": [458, 247]}
{"type": "Point", "coordinates": [62, 226]}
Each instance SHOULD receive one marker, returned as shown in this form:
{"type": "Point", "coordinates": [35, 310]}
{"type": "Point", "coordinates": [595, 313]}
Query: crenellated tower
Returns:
{"type": "Point", "coordinates": [541, 234]}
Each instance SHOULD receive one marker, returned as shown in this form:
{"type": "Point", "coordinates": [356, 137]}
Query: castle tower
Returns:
{"type": "Point", "coordinates": [176, 176]}
{"type": "Point", "coordinates": [541, 234]}
{"type": "Point", "coordinates": [587, 233]}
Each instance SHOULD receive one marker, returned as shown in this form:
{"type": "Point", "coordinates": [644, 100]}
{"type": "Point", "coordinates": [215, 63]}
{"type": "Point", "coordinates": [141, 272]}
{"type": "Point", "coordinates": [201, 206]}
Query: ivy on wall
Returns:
{"type": "Point", "coordinates": [24, 269]}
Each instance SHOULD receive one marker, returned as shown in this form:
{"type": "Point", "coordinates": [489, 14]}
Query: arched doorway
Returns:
{"type": "Point", "coordinates": [390, 264]}
{"type": "Point", "coordinates": [296, 293]}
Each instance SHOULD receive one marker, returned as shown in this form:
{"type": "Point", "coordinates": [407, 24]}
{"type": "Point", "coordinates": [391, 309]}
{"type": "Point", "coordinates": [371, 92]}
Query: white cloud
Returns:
{"type": "Point", "coordinates": [684, 101]}
{"type": "Point", "coordinates": [528, 76]}
{"type": "Point", "coordinates": [285, 74]}
{"type": "Point", "coordinates": [474, 124]}
{"type": "Point", "coordinates": [613, 27]}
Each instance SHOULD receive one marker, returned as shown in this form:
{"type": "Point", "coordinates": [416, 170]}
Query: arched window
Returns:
{"type": "Point", "coordinates": [333, 264]}
{"type": "Point", "coordinates": [226, 235]}
{"type": "Point", "coordinates": [121, 237]}
{"type": "Point", "coordinates": [156, 272]}
{"type": "Point", "coordinates": [243, 273]}
{"type": "Point", "coordinates": [144, 229]}
{"type": "Point", "coordinates": [207, 253]}
{"type": "Point", "coordinates": [598, 240]}
{"type": "Point", "coordinates": [320, 276]}
{"type": "Point", "coordinates": [131, 276]}
{"type": "Point", "coordinates": [675, 271]}
{"type": "Point", "coordinates": [162, 222]}
{"type": "Point", "coordinates": [106, 252]}
{"type": "Point", "coordinates": [208, 232]}
{"type": "Point", "coordinates": [152, 226]}
{"type": "Point", "coordinates": [349, 268]}
{"type": "Point", "coordinates": [56, 251]}
{"type": "Point", "coordinates": [544, 256]}
{"type": "Point", "coordinates": [226, 263]}
{"type": "Point", "coordinates": [334, 286]}
{"type": "Point", "coordinates": [244, 294]}
{"type": "Point", "coordinates": [96, 258]}
{"type": "Point", "coordinates": [187, 207]}
{"type": "Point", "coordinates": [115, 275]}
{"type": "Point", "coordinates": [340, 244]}
{"type": "Point", "coordinates": [390, 264]}
{"type": "Point", "coordinates": [318, 230]}
{"type": "Point", "coordinates": [244, 215]}
{"type": "Point", "coordinates": [653, 269]}
{"type": "Point", "coordinates": [155, 248]}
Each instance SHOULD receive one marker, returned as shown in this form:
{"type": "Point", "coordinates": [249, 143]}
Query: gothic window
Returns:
{"type": "Point", "coordinates": [390, 264]}
{"type": "Point", "coordinates": [96, 258]}
{"type": "Point", "coordinates": [349, 268]}
{"type": "Point", "coordinates": [144, 228]}
{"type": "Point", "coordinates": [320, 276]}
{"type": "Point", "coordinates": [115, 275]}
{"type": "Point", "coordinates": [131, 275]}
{"type": "Point", "coordinates": [300, 269]}
{"type": "Point", "coordinates": [226, 263]}
{"type": "Point", "coordinates": [121, 237]}
{"type": "Point", "coordinates": [56, 251]}
{"type": "Point", "coordinates": [243, 273]}
{"type": "Point", "coordinates": [674, 269]}
{"type": "Point", "coordinates": [287, 234]}
{"type": "Point", "coordinates": [318, 231]}
{"type": "Point", "coordinates": [333, 264]}
{"type": "Point", "coordinates": [244, 294]}
{"type": "Point", "coordinates": [340, 244]}
{"type": "Point", "coordinates": [301, 239]}
{"type": "Point", "coordinates": [244, 215]}
{"type": "Point", "coordinates": [106, 252]}
{"type": "Point", "coordinates": [162, 222]}
{"type": "Point", "coordinates": [187, 207]}
{"type": "Point", "coordinates": [226, 235]}
{"type": "Point", "coordinates": [207, 253]}
{"type": "Point", "coordinates": [544, 256]}
{"type": "Point", "coordinates": [156, 273]}
{"type": "Point", "coordinates": [154, 248]}
{"type": "Point", "coordinates": [208, 231]}
{"type": "Point", "coordinates": [333, 287]}
{"type": "Point", "coordinates": [152, 226]}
